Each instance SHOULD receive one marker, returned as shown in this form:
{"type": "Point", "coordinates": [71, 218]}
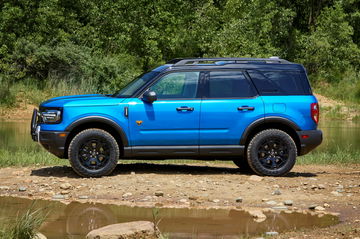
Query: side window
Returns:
{"type": "Point", "coordinates": [280, 82]}
{"type": "Point", "coordinates": [177, 85]}
{"type": "Point", "coordinates": [229, 84]}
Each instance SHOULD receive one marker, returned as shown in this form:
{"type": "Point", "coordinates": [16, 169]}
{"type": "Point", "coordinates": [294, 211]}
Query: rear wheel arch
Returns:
{"type": "Point", "coordinates": [100, 123]}
{"type": "Point", "coordinates": [280, 123]}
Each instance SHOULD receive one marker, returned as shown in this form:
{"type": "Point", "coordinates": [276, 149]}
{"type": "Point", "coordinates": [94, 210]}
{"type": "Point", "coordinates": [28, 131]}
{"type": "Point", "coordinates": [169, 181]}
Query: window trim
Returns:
{"type": "Point", "coordinates": [207, 79]}
{"type": "Point", "coordinates": [160, 76]}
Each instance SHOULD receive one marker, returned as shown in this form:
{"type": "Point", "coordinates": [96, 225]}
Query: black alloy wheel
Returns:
{"type": "Point", "coordinates": [271, 152]}
{"type": "Point", "coordinates": [93, 153]}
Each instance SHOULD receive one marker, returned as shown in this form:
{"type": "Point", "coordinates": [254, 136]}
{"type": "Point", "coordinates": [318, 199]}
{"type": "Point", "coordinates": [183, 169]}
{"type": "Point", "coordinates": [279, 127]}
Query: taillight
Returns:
{"type": "Point", "coordinates": [315, 112]}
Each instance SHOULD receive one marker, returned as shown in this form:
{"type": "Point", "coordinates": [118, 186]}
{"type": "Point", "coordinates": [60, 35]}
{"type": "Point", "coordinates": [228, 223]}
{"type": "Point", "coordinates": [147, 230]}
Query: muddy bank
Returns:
{"type": "Point", "coordinates": [322, 188]}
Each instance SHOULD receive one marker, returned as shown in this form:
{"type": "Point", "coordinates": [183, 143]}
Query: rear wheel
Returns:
{"type": "Point", "coordinates": [271, 152]}
{"type": "Point", "coordinates": [243, 164]}
{"type": "Point", "coordinates": [93, 153]}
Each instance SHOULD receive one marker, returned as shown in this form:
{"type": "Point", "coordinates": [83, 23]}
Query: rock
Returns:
{"type": "Point", "coordinates": [277, 192]}
{"type": "Point", "coordinates": [258, 215]}
{"type": "Point", "coordinates": [312, 207]}
{"type": "Point", "coordinates": [239, 199]}
{"type": "Point", "coordinates": [326, 205]}
{"type": "Point", "coordinates": [321, 186]}
{"type": "Point", "coordinates": [280, 208]}
{"type": "Point", "coordinates": [319, 208]}
{"type": "Point", "coordinates": [65, 186]}
{"type": "Point", "coordinates": [83, 197]}
{"type": "Point", "coordinates": [193, 198]}
{"type": "Point", "coordinates": [264, 199]}
{"type": "Point", "coordinates": [40, 236]}
{"type": "Point", "coordinates": [335, 193]}
{"type": "Point", "coordinates": [183, 200]}
{"type": "Point", "coordinates": [255, 178]}
{"type": "Point", "coordinates": [125, 195]}
{"type": "Point", "coordinates": [22, 189]}
{"type": "Point", "coordinates": [271, 202]}
{"type": "Point", "coordinates": [4, 188]}
{"type": "Point", "coordinates": [216, 200]}
{"type": "Point", "coordinates": [64, 192]}
{"type": "Point", "coordinates": [288, 202]}
{"type": "Point", "coordinates": [133, 173]}
{"type": "Point", "coordinates": [58, 197]}
{"type": "Point", "coordinates": [271, 234]}
{"type": "Point", "coordinates": [159, 194]}
{"type": "Point", "coordinates": [128, 230]}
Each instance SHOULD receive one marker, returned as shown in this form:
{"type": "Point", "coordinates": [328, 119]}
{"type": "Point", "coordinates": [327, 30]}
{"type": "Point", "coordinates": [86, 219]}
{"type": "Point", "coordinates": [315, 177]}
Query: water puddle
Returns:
{"type": "Point", "coordinates": [75, 220]}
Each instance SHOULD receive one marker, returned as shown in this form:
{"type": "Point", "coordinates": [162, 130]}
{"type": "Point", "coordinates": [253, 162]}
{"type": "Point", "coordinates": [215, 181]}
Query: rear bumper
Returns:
{"type": "Point", "coordinates": [309, 140]}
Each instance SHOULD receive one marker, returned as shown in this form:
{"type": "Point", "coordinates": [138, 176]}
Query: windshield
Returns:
{"type": "Point", "coordinates": [136, 84]}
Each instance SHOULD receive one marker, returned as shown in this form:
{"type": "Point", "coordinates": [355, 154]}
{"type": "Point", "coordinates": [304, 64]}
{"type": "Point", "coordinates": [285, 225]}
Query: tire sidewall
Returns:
{"type": "Point", "coordinates": [257, 140]}
{"type": "Point", "coordinates": [83, 136]}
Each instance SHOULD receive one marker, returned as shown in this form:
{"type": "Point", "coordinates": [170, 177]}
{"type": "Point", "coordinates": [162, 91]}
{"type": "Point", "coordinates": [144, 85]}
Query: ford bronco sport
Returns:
{"type": "Point", "coordinates": [260, 113]}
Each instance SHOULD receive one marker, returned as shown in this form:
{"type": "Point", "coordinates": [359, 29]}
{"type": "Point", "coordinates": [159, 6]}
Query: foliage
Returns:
{"type": "Point", "coordinates": [98, 46]}
{"type": "Point", "coordinates": [25, 226]}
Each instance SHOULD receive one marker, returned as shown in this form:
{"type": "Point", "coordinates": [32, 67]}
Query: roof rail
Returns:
{"type": "Point", "coordinates": [175, 60]}
{"type": "Point", "coordinates": [233, 60]}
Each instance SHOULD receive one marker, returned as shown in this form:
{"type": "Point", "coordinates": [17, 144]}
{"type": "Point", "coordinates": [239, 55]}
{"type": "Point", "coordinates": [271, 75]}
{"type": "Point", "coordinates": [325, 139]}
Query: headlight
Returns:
{"type": "Point", "coordinates": [51, 116]}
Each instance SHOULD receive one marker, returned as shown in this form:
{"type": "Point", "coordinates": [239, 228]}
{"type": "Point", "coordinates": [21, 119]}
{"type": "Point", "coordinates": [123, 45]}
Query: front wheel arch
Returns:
{"type": "Point", "coordinates": [119, 137]}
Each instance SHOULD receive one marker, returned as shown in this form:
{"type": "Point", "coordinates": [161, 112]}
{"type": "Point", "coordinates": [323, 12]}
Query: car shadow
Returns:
{"type": "Point", "coordinates": [156, 168]}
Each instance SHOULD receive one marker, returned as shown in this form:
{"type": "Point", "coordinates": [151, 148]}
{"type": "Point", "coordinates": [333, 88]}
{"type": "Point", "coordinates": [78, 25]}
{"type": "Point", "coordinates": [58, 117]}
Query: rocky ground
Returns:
{"type": "Point", "coordinates": [332, 188]}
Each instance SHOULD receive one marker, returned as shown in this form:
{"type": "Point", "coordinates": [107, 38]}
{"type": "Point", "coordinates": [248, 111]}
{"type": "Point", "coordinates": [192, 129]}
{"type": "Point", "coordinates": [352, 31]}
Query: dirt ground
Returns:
{"type": "Point", "coordinates": [332, 188]}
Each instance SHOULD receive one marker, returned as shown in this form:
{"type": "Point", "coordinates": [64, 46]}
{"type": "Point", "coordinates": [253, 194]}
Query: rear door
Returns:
{"type": "Point", "coordinates": [230, 104]}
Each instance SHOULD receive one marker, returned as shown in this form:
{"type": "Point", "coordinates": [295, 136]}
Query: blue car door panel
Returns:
{"type": "Point", "coordinates": [230, 104]}
{"type": "Point", "coordinates": [173, 119]}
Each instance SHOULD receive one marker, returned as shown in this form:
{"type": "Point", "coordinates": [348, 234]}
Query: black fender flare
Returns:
{"type": "Point", "coordinates": [100, 119]}
{"type": "Point", "coordinates": [266, 120]}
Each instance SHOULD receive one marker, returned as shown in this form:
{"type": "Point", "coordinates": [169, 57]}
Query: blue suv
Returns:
{"type": "Point", "coordinates": [258, 112]}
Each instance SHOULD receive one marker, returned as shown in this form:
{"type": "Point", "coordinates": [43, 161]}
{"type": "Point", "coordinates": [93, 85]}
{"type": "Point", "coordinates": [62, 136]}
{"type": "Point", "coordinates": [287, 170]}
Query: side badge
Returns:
{"type": "Point", "coordinates": [139, 122]}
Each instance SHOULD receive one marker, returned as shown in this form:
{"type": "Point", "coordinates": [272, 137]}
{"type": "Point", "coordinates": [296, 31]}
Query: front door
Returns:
{"type": "Point", "coordinates": [171, 120]}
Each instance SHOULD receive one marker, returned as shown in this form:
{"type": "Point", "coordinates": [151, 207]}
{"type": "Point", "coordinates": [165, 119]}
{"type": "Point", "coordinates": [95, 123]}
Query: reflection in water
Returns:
{"type": "Point", "coordinates": [75, 220]}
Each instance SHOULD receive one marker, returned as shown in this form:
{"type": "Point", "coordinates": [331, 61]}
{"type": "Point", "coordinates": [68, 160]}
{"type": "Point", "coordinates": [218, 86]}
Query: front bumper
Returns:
{"type": "Point", "coordinates": [309, 140]}
{"type": "Point", "coordinates": [52, 141]}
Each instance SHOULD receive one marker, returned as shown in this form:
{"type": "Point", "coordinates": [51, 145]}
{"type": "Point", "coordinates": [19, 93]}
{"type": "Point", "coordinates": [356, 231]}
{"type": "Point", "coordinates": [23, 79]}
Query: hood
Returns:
{"type": "Point", "coordinates": [81, 100]}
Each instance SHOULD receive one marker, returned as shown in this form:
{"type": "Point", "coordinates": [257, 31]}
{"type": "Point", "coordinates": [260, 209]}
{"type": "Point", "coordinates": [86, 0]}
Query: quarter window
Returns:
{"type": "Point", "coordinates": [177, 85]}
{"type": "Point", "coordinates": [229, 84]}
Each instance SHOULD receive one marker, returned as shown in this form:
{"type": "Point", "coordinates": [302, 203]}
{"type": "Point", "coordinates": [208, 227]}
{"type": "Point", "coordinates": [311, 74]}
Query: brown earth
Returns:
{"type": "Point", "coordinates": [203, 185]}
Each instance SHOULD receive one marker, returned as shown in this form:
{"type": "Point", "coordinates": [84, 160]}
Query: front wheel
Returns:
{"type": "Point", "coordinates": [271, 152]}
{"type": "Point", "coordinates": [93, 153]}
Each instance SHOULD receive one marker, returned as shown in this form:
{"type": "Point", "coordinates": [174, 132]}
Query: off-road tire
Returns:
{"type": "Point", "coordinates": [256, 144]}
{"type": "Point", "coordinates": [243, 164]}
{"type": "Point", "coordinates": [80, 139]}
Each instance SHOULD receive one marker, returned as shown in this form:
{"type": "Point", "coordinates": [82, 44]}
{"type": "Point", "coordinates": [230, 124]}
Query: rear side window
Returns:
{"type": "Point", "coordinates": [280, 82]}
{"type": "Point", "coordinates": [229, 84]}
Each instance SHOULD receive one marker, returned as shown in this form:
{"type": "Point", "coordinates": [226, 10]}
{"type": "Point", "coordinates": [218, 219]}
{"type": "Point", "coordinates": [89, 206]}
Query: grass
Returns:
{"type": "Point", "coordinates": [339, 156]}
{"type": "Point", "coordinates": [31, 157]}
{"type": "Point", "coordinates": [25, 226]}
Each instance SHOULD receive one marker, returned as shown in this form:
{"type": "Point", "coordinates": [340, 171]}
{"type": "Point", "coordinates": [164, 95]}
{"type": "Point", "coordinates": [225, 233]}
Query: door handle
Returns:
{"type": "Point", "coordinates": [185, 108]}
{"type": "Point", "coordinates": [246, 108]}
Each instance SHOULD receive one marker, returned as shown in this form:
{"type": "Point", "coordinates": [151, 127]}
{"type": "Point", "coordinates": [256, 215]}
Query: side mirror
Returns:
{"type": "Point", "coordinates": [149, 96]}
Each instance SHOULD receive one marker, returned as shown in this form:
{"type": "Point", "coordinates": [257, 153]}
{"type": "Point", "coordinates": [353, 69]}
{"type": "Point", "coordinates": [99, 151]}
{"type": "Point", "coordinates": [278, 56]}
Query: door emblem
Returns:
{"type": "Point", "coordinates": [139, 122]}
